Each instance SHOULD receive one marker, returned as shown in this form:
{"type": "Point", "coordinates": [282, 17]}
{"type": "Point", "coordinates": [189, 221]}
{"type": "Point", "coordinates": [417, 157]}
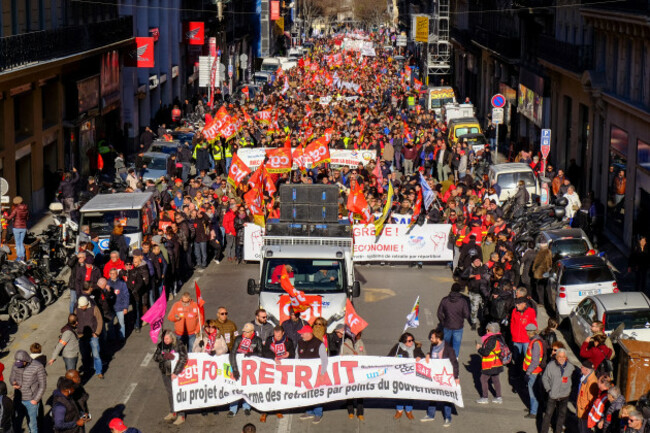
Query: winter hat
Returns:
{"type": "Point", "coordinates": [83, 302]}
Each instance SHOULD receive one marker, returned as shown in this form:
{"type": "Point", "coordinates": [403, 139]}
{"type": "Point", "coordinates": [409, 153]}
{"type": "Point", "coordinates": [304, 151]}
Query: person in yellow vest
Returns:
{"type": "Point", "coordinates": [533, 366]}
{"type": "Point", "coordinates": [491, 365]}
{"type": "Point", "coordinates": [228, 151]}
{"type": "Point", "coordinates": [217, 156]}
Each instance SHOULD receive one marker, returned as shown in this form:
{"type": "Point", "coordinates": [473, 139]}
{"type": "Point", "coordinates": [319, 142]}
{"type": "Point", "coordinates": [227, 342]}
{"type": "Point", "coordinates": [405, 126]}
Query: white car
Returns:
{"type": "Point", "coordinates": [629, 309]}
{"type": "Point", "coordinates": [572, 280]}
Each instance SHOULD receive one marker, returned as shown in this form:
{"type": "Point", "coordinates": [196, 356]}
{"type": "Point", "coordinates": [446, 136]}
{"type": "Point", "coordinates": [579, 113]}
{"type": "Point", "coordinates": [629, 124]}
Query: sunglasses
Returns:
{"type": "Point", "coordinates": [223, 314]}
{"type": "Point", "coordinates": [410, 340]}
{"type": "Point", "coordinates": [262, 317]}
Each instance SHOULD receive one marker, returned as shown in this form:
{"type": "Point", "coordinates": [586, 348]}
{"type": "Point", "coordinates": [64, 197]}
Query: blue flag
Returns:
{"type": "Point", "coordinates": [427, 193]}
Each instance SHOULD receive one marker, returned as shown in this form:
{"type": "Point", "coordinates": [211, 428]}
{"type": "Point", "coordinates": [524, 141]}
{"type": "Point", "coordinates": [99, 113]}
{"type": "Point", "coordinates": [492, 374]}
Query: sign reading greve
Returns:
{"type": "Point", "coordinates": [266, 385]}
{"type": "Point", "coordinates": [275, 10]}
{"type": "Point", "coordinates": [398, 242]}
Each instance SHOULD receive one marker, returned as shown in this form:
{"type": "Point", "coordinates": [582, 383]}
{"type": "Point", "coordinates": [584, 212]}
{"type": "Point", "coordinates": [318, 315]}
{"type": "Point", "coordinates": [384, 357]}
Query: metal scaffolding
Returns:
{"type": "Point", "coordinates": [438, 61]}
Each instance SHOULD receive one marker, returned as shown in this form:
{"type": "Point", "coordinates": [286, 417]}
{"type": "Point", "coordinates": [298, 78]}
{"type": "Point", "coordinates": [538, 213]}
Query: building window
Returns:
{"type": "Point", "coordinates": [23, 116]}
{"type": "Point", "coordinates": [617, 178]}
{"type": "Point", "coordinates": [643, 154]}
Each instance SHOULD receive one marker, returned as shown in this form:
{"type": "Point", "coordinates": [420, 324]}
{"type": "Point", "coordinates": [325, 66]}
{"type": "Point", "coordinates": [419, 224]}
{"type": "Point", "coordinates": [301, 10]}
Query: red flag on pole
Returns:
{"type": "Point", "coordinates": [353, 320]}
{"type": "Point", "coordinates": [200, 302]}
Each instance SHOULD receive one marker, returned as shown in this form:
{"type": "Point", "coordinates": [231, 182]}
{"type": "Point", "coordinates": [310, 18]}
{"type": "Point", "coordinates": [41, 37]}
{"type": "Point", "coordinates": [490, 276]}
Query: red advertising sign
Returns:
{"type": "Point", "coordinates": [195, 33]}
{"type": "Point", "coordinates": [142, 55]}
{"type": "Point", "coordinates": [275, 10]}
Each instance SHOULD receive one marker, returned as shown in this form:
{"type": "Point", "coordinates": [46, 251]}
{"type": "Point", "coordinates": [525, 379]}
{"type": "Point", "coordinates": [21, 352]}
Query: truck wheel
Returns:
{"type": "Point", "coordinates": [18, 311]}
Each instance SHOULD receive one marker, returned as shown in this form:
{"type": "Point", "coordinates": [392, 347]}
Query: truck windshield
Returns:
{"type": "Point", "coordinates": [102, 223]}
{"type": "Point", "coordinates": [308, 275]}
{"type": "Point", "coordinates": [441, 102]}
{"type": "Point", "coordinates": [510, 180]}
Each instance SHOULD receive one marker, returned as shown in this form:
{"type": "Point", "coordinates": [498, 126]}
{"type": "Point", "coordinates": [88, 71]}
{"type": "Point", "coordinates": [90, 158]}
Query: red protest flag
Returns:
{"type": "Point", "coordinates": [328, 135]}
{"type": "Point", "coordinates": [379, 175]}
{"type": "Point", "coordinates": [200, 302]}
{"type": "Point", "coordinates": [246, 92]}
{"type": "Point", "coordinates": [357, 203]}
{"type": "Point", "coordinates": [256, 178]}
{"type": "Point", "coordinates": [100, 162]}
{"type": "Point", "coordinates": [269, 184]}
{"type": "Point", "coordinates": [417, 209]}
{"type": "Point", "coordinates": [318, 152]}
{"type": "Point", "coordinates": [299, 158]}
{"type": "Point", "coordinates": [238, 171]}
{"type": "Point", "coordinates": [298, 300]}
{"type": "Point", "coordinates": [279, 160]}
{"type": "Point", "coordinates": [287, 143]}
{"type": "Point", "coordinates": [353, 320]}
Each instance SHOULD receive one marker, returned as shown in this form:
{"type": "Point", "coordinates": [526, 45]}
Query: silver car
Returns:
{"type": "Point", "coordinates": [630, 309]}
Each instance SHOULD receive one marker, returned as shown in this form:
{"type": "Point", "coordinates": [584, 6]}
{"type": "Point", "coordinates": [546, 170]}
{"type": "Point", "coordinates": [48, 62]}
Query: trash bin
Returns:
{"type": "Point", "coordinates": [633, 368]}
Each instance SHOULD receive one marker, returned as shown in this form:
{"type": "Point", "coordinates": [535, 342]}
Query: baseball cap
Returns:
{"type": "Point", "coordinates": [83, 302]}
{"type": "Point", "coordinates": [117, 424]}
{"type": "Point", "coordinates": [531, 327]}
{"type": "Point", "coordinates": [306, 330]}
{"type": "Point", "coordinates": [248, 327]}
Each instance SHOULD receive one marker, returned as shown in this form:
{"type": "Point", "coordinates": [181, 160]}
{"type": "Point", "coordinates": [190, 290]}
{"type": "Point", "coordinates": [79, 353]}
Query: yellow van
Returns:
{"type": "Point", "coordinates": [462, 126]}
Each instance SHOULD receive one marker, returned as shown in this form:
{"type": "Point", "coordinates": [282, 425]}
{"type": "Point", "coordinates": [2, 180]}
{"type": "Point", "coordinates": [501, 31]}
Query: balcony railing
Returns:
{"type": "Point", "coordinates": [576, 58]}
{"type": "Point", "coordinates": [34, 47]}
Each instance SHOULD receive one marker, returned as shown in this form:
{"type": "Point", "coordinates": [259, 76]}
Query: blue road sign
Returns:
{"type": "Point", "coordinates": [498, 101]}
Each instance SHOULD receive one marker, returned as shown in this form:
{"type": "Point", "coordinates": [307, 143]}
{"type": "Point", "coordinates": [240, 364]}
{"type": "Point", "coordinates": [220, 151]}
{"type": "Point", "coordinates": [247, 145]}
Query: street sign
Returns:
{"type": "Point", "coordinates": [497, 116]}
{"type": "Point", "coordinates": [4, 199]}
{"type": "Point", "coordinates": [498, 101]}
{"type": "Point", "coordinates": [401, 41]}
{"type": "Point", "coordinates": [546, 143]}
{"type": "Point", "coordinates": [230, 70]}
{"type": "Point", "coordinates": [4, 186]}
{"type": "Point", "coordinates": [243, 59]}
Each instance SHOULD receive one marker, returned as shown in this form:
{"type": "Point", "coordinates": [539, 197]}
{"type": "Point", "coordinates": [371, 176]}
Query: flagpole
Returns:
{"type": "Point", "coordinates": [196, 284]}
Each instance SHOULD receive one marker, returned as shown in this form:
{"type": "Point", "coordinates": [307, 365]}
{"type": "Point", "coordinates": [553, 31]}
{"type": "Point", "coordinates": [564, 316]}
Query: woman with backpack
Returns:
{"type": "Point", "coordinates": [494, 353]}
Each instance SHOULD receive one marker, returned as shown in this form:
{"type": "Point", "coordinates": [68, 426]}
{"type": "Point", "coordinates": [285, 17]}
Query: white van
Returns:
{"type": "Point", "coordinates": [270, 65]}
{"type": "Point", "coordinates": [135, 212]}
{"type": "Point", "coordinates": [508, 175]}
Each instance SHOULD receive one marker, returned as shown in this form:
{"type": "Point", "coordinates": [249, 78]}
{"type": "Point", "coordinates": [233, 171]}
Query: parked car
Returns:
{"type": "Point", "coordinates": [508, 175]}
{"type": "Point", "coordinates": [629, 309]}
{"type": "Point", "coordinates": [161, 146]}
{"type": "Point", "coordinates": [572, 280]}
{"type": "Point", "coordinates": [156, 163]}
{"type": "Point", "coordinates": [566, 243]}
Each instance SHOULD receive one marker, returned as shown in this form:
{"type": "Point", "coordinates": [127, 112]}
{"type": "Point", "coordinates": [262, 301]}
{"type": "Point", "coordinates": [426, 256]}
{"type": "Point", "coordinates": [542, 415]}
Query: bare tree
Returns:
{"type": "Point", "coordinates": [309, 10]}
{"type": "Point", "coordinates": [371, 12]}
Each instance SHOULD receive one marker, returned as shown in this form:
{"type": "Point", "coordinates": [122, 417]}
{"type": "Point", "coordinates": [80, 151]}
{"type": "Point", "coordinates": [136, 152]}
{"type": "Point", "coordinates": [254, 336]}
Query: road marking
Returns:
{"type": "Point", "coordinates": [284, 424]}
{"type": "Point", "coordinates": [376, 295]}
{"type": "Point", "coordinates": [428, 315]}
{"type": "Point", "coordinates": [146, 360]}
{"type": "Point", "coordinates": [129, 390]}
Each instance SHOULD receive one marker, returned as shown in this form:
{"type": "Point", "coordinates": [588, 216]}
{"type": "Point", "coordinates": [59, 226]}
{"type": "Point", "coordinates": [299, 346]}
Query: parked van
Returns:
{"type": "Point", "coordinates": [458, 111]}
{"type": "Point", "coordinates": [135, 212]}
{"type": "Point", "coordinates": [270, 65]}
{"type": "Point", "coordinates": [462, 126]}
{"type": "Point", "coordinates": [508, 175]}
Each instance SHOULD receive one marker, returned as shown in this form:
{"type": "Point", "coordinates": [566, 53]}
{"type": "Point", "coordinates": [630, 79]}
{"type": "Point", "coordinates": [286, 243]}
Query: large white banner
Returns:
{"type": "Point", "coordinates": [397, 243]}
{"type": "Point", "coordinates": [426, 243]}
{"type": "Point", "coordinates": [253, 157]}
{"type": "Point", "coordinates": [207, 381]}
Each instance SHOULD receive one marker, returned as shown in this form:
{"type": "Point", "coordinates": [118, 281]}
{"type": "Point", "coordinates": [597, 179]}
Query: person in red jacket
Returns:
{"type": "Point", "coordinates": [186, 318]}
{"type": "Point", "coordinates": [595, 350]}
{"type": "Point", "coordinates": [231, 233]}
{"type": "Point", "coordinates": [19, 216]}
{"type": "Point", "coordinates": [114, 263]}
{"type": "Point", "coordinates": [521, 316]}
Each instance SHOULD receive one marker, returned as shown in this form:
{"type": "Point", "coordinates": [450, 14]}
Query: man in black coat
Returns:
{"type": "Point", "coordinates": [137, 281]}
{"type": "Point", "coordinates": [453, 311]}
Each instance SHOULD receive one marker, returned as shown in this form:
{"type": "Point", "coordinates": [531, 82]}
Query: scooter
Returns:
{"type": "Point", "coordinates": [68, 228]}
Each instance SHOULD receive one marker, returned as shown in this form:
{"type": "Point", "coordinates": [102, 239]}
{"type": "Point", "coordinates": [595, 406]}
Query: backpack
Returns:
{"type": "Point", "coordinates": [545, 350]}
{"type": "Point", "coordinates": [505, 356]}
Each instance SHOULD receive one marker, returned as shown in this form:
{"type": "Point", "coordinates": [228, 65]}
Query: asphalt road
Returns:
{"type": "Point", "coordinates": [132, 386]}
